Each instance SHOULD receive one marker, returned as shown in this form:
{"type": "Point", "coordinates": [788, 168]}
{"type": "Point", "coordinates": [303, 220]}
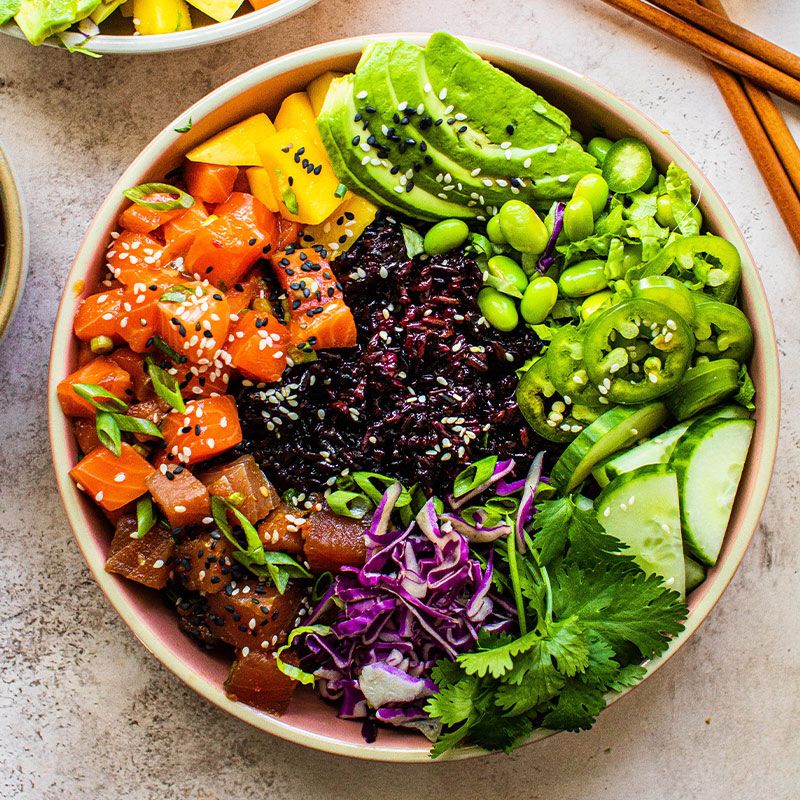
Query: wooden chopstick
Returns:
{"type": "Point", "coordinates": [713, 48]}
{"type": "Point", "coordinates": [718, 24]}
{"type": "Point", "coordinates": [768, 114]}
{"type": "Point", "coordinates": [760, 146]}
{"type": "Point", "coordinates": [766, 135]}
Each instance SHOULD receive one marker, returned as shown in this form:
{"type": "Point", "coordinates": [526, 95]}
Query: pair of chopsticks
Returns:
{"type": "Point", "coordinates": [745, 68]}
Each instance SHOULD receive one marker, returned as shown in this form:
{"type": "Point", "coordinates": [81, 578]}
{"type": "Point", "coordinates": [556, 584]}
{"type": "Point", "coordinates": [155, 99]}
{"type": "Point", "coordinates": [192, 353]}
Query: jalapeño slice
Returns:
{"type": "Point", "coordinates": [637, 351]}
{"type": "Point", "coordinates": [546, 411]}
{"type": "Point", "coordinates": [566, 369]}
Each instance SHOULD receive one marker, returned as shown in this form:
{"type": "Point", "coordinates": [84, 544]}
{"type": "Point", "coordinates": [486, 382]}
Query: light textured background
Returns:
{"type": "Point", "coordinates": [85, 712]}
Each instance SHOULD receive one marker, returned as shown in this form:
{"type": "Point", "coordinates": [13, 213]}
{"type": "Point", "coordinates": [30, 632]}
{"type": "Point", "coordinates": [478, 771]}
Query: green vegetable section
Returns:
{"type": "Point", "coordinates": [591, 616]}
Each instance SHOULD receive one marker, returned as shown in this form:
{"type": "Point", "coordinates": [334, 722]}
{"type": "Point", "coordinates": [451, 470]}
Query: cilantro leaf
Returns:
{"type": "Point", "coordinates": [535, 680]}
{"type": "Point", "coordinates": [577, 707]}
{"type": "Point", "coordinates": [500, 733]}
{"type": "Point", "coordinates": [446, 741]}
{"type": "Point", "coordinates": [747, 390]}
{"type": "Point", "coordinates": [497, 660]}
{"type": "Point", "coordinates": [454, 703]}
{"type": "Point", "coordinates": [560, 522]}
{"type": "Point", "coordinates": [621, 605]}
{"type": "Point", "coordinates": [628, 675]}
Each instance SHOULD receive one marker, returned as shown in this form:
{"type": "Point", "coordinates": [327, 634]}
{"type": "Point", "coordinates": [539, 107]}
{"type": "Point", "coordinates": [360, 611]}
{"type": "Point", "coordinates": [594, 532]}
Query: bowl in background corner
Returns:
{"type": "Point", "coordinates": [13, 244]}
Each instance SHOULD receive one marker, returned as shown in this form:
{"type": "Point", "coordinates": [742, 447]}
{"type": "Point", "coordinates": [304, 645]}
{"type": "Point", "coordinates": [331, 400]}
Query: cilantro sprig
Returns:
{"type": "Point", "coordinates": [588, 615]}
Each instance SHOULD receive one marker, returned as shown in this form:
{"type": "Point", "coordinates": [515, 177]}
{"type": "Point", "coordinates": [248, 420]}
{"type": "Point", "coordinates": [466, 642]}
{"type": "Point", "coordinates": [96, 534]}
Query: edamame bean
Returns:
{"type": "Point", "coordinates": [593, 188]}
{"type": "Point", "coordinates": [596, 302]}
{"type": "Point", "coordinates": [583, 278]}
{"type": "Point", "coordinates": [508, 271]}
{"type": "Point", "coordinates": [493, 231]}
{"type": "Point", "coordinates": [445, 236]}
{"type": "Point", "coordinates": [521, 226]}
{"type": "Point", "coordinates": [576, 135]}
{"type": "Point", "coordinates": [598, 147]}
{"type": "Point", "coordinates": [538, 300]}
{"type": "Point", "coordinates": [499, 309]}
{"type": "Point", "coordinates": [578, 219]}
{"type": "Point", "coordinates": [665, 214]}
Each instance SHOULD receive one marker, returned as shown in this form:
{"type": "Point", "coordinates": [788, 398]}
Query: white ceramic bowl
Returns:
{"type": "Point", "coordinates": [213, 33]}
{"type": "Point", "coordinates": [14, 255]}
{"type": "Point", "coordinates": [309, 720]}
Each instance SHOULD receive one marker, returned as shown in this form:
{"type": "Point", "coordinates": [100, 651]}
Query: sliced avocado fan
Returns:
{"type": "Point", "coordinates": [439, 132]}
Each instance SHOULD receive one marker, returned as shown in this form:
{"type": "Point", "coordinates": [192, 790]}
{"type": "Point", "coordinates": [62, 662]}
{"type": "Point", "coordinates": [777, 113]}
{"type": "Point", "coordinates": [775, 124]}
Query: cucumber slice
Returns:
{"type": "Point", "coordinates": [704, 386]}
{"type": "Point", "coordinates": [615, 430]}
{"type": "Point", "coordinates": [695, 573]}
{"type": "Point", "coordinates": [654, 451]}
{"type": "Point", "coordinates": [627, 165]}
{"type": "Point", "coordinates": [709, 460]}
{"type": "Point", "coordinates": [641, 509]}
{"type": "Point", "coordinates": [729, 411]}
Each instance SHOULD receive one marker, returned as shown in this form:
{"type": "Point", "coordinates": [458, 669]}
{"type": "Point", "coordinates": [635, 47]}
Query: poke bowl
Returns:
{"type": "Point", "coordinates": [152, 27]}
{"type": "Point", "coordinates": [368, 259]}
{"type": "Point", "coordinates": [13, 245]}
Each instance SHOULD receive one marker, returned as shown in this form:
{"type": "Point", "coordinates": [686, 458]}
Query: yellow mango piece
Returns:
{"type": "Point", "coordinates": [340, 230]}
{"type": "Point", "coordinates": [220, 10]}
{"type": "Point", "coordinates": [296, 112]}
{"type": "Point", "coordinates": [301, 175]}
{"type": "Point", "coordinates": [318, 88]}
{"type": "Point", "coordinates": [261, 187]}
{"type": "Point", "coordinates": [236, 146]}
{"type": "Point", "coordinates": [161, 16]}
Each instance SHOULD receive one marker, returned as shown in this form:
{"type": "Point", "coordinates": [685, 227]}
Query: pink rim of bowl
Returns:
{"type": "Point", "coordinates": [310, 721]}
{"type": "Point", "coordinates": [213, 33]}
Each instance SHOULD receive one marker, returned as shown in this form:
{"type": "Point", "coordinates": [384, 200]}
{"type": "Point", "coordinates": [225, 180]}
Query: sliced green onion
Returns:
{"type": "Point", "coordinates": [100, 345]}
{"type": "Point", "coordinates": [143, 190]}
{"type": "Point", "coordinates": [341, 190]}
{"type": "Point", "coordinates": [321, 586]}
{"type": "Point", "coordinates": [145, 518]}
{"type": "Point", "coordinates": [108, 432]}
{"type": "Point", "coordinates": [302, 354]}
{"type": "Point", "coordinates": [473, 476]}
{"type": "Point", "coordinates": [137, 425]}
{"type": "Point", "coordinates": [106, 402]}
{"type": "Point", "coordinates": [166, 349]}
{"type": "Point", "coordinates": [349, 504]}
{"type": "Point", "coordinates": [184, 128]}
{"type": "Point", "coordinates": [177, 294]}
{"type": "Point", "coordinates": [165, 386]}
{"type": "Point", "coordinates": [288, 669]}
{"type": "Point", "coordinates": [237, 498]}
{"type": "Point", "coordinates": [366, 481]}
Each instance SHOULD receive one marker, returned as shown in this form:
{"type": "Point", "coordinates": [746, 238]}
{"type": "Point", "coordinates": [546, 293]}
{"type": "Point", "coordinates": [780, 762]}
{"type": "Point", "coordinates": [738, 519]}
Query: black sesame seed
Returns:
{"type": "Point", "coordinates": [238, 287]}
{"type": "Point", "coordinates": [181, 330]}
{"type": "Point", "coordinates": [310, 312]}
{"type": "Point", "coordinates": [301, 150]}
{"type": "Point", "coordinates": [252, 242]}
{"type": "Point", "coordinates": [286, 149]}
{"type": "Point", "coordinates": [357, 118]}
{"type": "Point", "coordinates": [290, 180]}
{"type": "Point", "coordinates": [370, 110]}
{"type": "Point", "coordinates": [462, 129]}
{"type": "Point", "coordinates": [349, 215]}
{"type": "Point", "coordinates": [209, 269]}
{"type": "Point", "coordinates": [510, 128]}
{"type": "Point", "coordinates": [169, 476]}
{"type": "Point", "coordinates": [409, 186]}
{"type": "Point", "coordinates": [197, 430]}
{"type": "Point", "coordinates": [318, 169]}
{"type": "Point", "coordinates": [208, 334]}
{"type": "Point", "coordinates": [218, 297]}
{"type": "Point", "coordinates": [394, 170]}
{"type": "Point", "coordinates": [428, 159]}
{"type": "Point", "coordinates": [356, 140]}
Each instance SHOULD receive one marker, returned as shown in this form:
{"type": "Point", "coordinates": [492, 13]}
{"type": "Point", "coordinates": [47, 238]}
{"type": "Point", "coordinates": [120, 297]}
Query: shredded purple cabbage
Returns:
{"type": "Point", "coordinates": [419, 597]}
{"type": "Point", "coordinates": [546, 260]}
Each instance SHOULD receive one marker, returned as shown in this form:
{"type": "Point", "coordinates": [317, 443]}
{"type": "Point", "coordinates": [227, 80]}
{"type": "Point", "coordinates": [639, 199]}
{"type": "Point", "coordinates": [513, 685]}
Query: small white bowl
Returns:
{"type": "Point", "coordinates": [180, 40]}
{"type": "Point", "coordinates": [13, 233]}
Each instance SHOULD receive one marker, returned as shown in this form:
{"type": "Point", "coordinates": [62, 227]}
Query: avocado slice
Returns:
{"type": "Point", "coordinates": [8, 8]}
{"type": "Point", "coordinates": [341, 124]}
{"type": "Point", "coordinates": [39, 19]}
{"type": "Point", "coordinates": [452, 127]}
{"type": "Point", "coordinates": [395, 136]}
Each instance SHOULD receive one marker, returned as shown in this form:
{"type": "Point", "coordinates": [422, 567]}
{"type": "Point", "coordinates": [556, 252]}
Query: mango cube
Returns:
{"type": "Point", "coordinates": [296, 112]}
{"type": "Point", "coordinates": [161, 16]}
{"type": "Point", "coordinates": [261, 187]}
{"type": "Point", "coordinates": [220, 10]}
{"type": "Point", "coordinates": [318, 88]}
{"type": "Point", "coordinates": [301, 175]}
{"type": "Point", "coordinates": [341, 229]}
{"type": "Point", "coordinates": [235, 146]}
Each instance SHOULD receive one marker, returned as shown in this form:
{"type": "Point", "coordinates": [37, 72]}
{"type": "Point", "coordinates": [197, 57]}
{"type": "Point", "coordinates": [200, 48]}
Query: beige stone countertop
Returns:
{"type": "Point", "coordinates": [86, 712]}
